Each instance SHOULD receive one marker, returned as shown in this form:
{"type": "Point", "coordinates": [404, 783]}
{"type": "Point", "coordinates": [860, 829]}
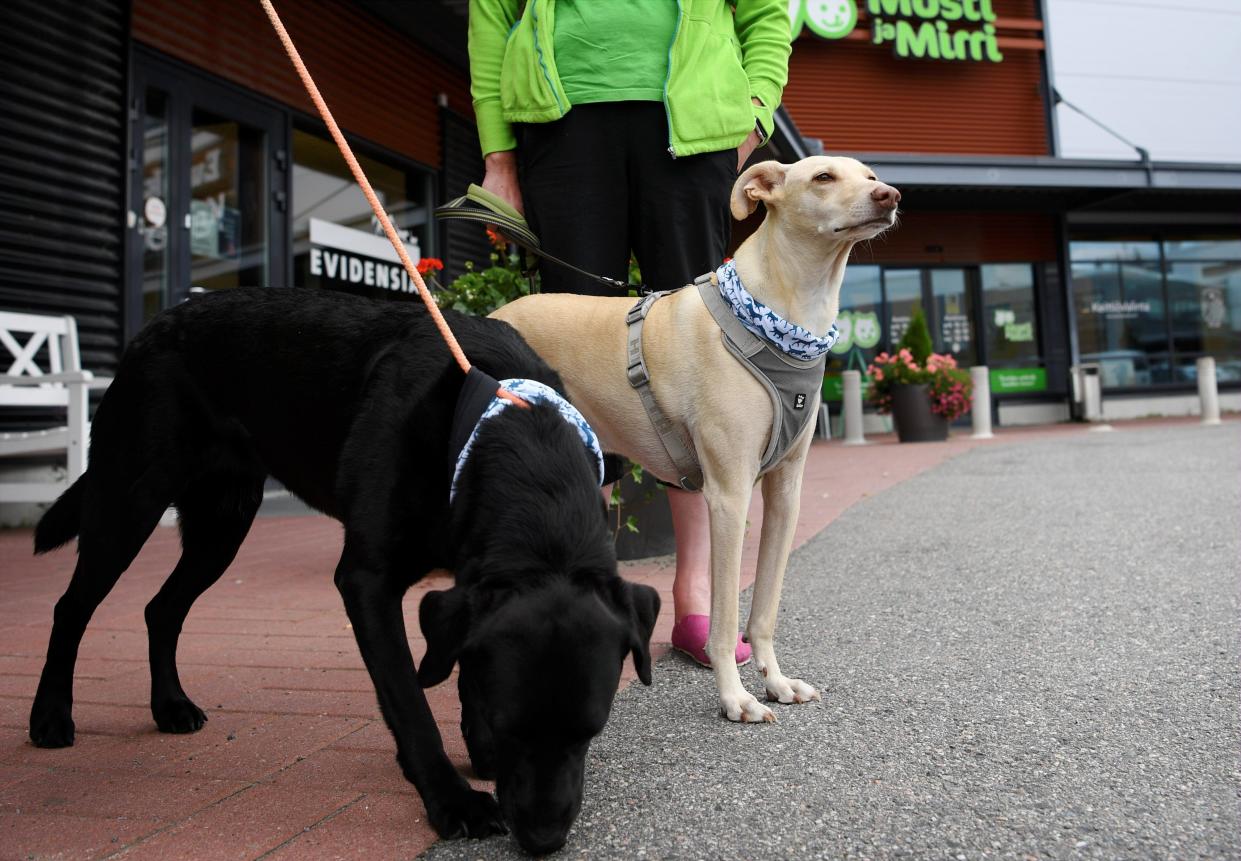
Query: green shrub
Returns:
{"type": "Point", "coordinates": [481, 291]}
{"type": "Point", "coordinates": [917, 338]}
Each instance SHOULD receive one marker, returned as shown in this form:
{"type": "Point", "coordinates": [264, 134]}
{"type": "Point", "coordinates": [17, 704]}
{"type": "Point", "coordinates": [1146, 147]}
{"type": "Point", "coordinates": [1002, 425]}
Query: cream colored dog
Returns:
{"type": "Point", "coordinates": [817, 209]}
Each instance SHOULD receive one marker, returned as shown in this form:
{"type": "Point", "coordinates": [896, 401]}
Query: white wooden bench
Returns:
{"type": "Point", "coordinates": [56, 381]}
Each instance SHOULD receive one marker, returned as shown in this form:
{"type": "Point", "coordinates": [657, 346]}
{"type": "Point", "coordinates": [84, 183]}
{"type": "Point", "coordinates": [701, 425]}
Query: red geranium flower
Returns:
{"type": "Point", "coordinates": [429, 264]}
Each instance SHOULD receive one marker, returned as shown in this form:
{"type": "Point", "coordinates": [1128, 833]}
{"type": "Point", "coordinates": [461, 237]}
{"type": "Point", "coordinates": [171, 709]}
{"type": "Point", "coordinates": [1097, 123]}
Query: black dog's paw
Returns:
{"type": "Point", "coordinates": [51, 726]}
{"type": "Point", "coordinates": [470, 814]}
{"type": "Point", "coordinates": [178, 716]}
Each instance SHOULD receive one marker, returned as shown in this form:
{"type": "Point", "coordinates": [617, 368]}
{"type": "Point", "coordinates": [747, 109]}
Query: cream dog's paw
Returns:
{"type": "Point", "coordinates": [785, 690]}
{"type": "Point", "coordinates": [745, 708]}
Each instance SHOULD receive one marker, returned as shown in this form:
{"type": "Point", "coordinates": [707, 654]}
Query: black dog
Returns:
{"type": "Point", "coordinates": [349, 403]}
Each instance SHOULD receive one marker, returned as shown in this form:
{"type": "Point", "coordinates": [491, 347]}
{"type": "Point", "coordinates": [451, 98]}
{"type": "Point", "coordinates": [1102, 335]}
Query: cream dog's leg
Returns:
{"type": "Point", "coordinates": [781, 503]}
{"type": "Point", "coordinates": [728, 500]}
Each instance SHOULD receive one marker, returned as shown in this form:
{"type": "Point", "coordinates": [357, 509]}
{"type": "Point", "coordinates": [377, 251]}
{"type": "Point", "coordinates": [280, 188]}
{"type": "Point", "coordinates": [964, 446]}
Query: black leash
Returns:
{"type": "Point", "coordinates": [495, 210]}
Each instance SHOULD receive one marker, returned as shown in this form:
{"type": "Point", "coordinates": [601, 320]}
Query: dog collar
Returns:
{"type": "Point", "coordinates": [530, 391]}
{"type": "Point", "coordinates": [784, 335]}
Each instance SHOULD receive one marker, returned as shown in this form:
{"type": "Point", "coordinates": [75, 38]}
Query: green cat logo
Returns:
{"type": "Point", "coordinates": [866, 330]}
{"type": "Point", "coordinates": [856, 330]}
{"type": "Point", "coordinates": [844, 329]}
{"type": "Point", "coordinates": [830, 19]}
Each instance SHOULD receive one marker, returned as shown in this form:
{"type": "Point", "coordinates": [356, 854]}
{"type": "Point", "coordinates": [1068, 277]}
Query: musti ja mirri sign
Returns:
{"type": "Point", "coordinates": [918, 29]}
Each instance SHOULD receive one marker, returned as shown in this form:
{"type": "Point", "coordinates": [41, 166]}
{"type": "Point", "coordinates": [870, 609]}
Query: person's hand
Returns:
{"type": "Point", "coordinates": [746, 149]}
{"type": "Point", "coordinates": [749, 144]}
{"type": "Point", "coordinates": [501, 178]}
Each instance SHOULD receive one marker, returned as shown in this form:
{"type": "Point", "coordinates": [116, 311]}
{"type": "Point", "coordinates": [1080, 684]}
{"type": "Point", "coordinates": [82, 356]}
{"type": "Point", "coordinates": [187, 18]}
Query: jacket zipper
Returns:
{"type": "Point", "coordinates": [668, 74]}
{"type": "Point", "coordinates": [534, 12]}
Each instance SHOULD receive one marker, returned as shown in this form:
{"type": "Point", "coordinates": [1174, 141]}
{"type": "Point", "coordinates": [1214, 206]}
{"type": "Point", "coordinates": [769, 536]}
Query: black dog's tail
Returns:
{"type": "Point", "coordinates": [61, 522]}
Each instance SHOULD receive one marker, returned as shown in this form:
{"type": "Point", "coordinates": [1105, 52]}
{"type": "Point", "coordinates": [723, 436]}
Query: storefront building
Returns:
{"type": "Point", "coordinates": [1023, 260]}
{"type": "Point", "coordinates": [161, 146]}
{"type": "Point", "coordinates": [156, 146]}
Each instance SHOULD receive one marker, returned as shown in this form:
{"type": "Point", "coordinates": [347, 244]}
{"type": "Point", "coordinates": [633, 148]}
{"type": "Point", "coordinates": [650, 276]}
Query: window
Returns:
{"type": "Point", "coordinates": [861, 298]}
{"type": "Point", "coordinates": [979, 315]}
{"type": "Point", "coordinates": [1147, 309]}
{"type": "Point", "coordinates": [1009, 324]}
{"type": "Point", "coordinates": [337, 240]}
{"type": "Point", "coordinates": [1204, 306]}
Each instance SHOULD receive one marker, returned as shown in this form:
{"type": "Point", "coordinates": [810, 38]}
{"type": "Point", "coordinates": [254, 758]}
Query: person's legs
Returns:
{"type": "Point", "coordinates": [691, 591]}
{"type": "Point", "coordinates": [679, 216]}
{"type": "Point", "coordinates": [575, 191]}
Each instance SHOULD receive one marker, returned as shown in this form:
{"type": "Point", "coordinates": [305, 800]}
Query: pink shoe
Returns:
{"type": "Point", "coordinates": [690, 636]}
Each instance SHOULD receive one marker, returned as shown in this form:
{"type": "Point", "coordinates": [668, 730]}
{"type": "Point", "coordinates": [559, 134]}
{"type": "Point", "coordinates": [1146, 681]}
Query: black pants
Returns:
{"type": "Point", "coordinates": [600, 183]}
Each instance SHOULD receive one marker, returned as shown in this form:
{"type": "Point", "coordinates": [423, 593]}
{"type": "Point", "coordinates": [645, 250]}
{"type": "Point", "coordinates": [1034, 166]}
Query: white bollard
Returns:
{"type": "Point", "coordinates": [851, 405]}
{"type": "Point", "coordinates": [1092, 398]}
{"type": "Point", "coordinates": [980, 377]}
{"type": "Point", "coordinates": [1208, 391]}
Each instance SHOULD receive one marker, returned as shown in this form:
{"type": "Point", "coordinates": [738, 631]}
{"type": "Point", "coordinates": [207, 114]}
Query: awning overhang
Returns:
{"type": "Point", "coordinates": [1077, 187]}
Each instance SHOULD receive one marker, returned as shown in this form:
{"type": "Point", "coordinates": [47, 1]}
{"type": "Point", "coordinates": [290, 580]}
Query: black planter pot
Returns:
{"type": "Point", "coordinates": [911, 413]}
{"type": "Point", "coordinates": [647, 503]}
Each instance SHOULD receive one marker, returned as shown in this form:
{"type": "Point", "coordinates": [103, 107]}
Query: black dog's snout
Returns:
{"type": "Point", "coordinates": [542, 841]}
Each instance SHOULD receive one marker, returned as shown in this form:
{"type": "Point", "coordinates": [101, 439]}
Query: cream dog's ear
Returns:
{"type": "Point", "coordinates": [760, 182]}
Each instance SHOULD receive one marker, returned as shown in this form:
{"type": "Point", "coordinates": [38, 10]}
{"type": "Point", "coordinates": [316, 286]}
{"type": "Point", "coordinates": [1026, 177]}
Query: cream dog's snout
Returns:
{"type": "Point", "coordinates": [885, 195]}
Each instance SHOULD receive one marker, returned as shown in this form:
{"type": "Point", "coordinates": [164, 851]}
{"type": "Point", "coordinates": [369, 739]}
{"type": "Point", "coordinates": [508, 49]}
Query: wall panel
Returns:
{"type": "Point", "coordinates": [963, 238]}
{"type": "Point", "coordinates": [62, 170]}
{"type": "Point", "coordinates": [858, 97]}
{"type": "Point", "coordinates": [379, 85]}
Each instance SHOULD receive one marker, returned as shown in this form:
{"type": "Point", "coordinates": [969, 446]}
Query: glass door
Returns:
{"type": "Point", "coordinates": [209, 189]}
{"type": "Point", "coordinates": [152, 199]}
{"type": "Point", "coordinates": [951, 315]}
{"type": "Point", "coordinates": [947, 301]}
{"type": "Point", "coordinates": [228, 202]}
{"type": "Point", "coordinates": [904, 292]}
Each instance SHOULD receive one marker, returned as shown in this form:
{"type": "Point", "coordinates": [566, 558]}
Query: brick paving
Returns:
{"type": "Point", "coordinates": [295, 761]}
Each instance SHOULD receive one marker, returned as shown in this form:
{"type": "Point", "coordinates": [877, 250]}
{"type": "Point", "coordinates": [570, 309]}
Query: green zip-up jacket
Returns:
{"type": "Point", "coordinates": [718, 61]}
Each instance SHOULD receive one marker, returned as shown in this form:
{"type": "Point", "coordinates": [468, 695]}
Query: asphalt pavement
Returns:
{"type": "Point", "coordinates": [1030, 651]}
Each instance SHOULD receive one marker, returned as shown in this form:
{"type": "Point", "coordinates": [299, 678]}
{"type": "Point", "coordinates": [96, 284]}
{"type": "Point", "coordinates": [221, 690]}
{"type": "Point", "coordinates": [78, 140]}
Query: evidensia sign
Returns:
{"type": "Point", "coordinates": [343, 258]}
{"type": "Point", "coordinates": [921, 29]}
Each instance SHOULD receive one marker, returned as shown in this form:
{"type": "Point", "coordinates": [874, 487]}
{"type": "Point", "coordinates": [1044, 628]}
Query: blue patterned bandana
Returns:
{"type": "Point", "coordinates": [767, 324]}
{"type": "Point", "coordinates": [530, 391]}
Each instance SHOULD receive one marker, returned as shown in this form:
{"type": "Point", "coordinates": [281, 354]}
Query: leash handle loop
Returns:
{"type": "Point", "coordinates": [495, 210]}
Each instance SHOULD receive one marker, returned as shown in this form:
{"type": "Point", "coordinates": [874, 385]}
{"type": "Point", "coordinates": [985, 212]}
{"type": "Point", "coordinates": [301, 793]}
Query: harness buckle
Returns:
{"type": "Point", "coordinates": [638, 311]}
{"type": "Point", "coordinates": [637, 375]}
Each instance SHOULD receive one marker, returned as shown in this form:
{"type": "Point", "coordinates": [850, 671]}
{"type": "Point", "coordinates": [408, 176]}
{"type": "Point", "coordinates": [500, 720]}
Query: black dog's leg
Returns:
{"type": "Point", "coordinates": [215, 514]}
{"type": "Point", "coordinates": [374, 608]}
{"type": "Point", "coordinates": [479, 742]}
{"type": "Point", "coordinates": [111, 535]}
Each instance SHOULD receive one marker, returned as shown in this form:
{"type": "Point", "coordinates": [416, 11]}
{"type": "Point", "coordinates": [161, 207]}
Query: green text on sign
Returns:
{"type": "Point", "coordinates": [918, 29]}
{"type": "Point", "coordinates": [1007, 381]}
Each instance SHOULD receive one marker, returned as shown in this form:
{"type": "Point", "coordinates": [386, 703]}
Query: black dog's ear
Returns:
{"type": "Point", "coordinates": [642, 603]}
{"type": "Point", "coordinates": [445, 621]}
{"type": "Point", "coordinates": [614, 468]}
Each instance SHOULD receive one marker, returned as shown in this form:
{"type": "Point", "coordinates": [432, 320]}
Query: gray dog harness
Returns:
{"type": "Point", "coordinates": [791, 383]}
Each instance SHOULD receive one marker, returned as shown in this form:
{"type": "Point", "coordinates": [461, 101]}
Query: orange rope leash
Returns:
{"type": "Point", "coordinates": [364, 183]}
